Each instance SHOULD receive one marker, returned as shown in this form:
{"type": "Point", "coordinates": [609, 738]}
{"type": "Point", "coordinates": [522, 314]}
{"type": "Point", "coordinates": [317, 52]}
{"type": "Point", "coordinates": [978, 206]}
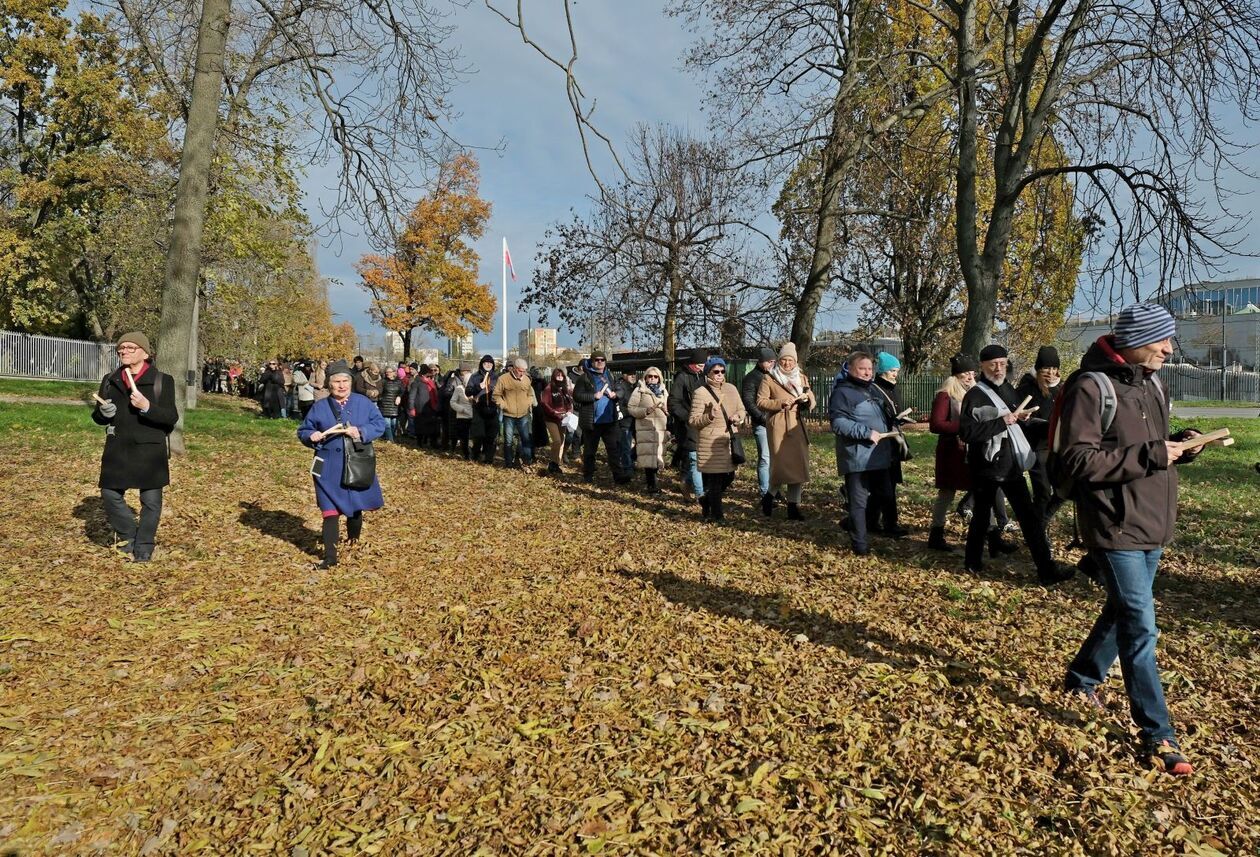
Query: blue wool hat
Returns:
{"type": "Point", "coordinates": [1144, 323]}
{"type": "Point", "coordinates": [713, 361]}
{"type": "Point", "coordinates": [885, 362]}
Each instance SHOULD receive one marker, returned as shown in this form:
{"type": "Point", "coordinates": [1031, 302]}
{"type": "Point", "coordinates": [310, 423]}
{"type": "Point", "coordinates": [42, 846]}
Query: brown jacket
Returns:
{"type": "Point", "coordinates": [1127, 492]}
{"type": "Point", "coordinates": [650, 416]}
{"type": "Point", "coordinates": [514, 396]}
{"type": "Point", "coordinates": [708, 428]}
{"type": "Point", "coordinates": [785, 430]}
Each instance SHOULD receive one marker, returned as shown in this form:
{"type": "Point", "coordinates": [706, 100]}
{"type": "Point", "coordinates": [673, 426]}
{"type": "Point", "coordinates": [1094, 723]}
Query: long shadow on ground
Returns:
{"type": "Point", "coordinates": [282, 525]}
{"type": "Point", "coordinates": [856, 639]}
{"type": "Point", "coordinates": [91, 511]}
{"type": "Point", "coordinates": [1182, 595]}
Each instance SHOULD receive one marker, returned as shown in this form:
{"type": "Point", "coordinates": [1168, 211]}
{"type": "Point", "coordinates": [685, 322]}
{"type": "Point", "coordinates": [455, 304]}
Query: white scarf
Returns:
{"type": "Point", "coordinates": [1020, 448]}
{"type": "Point", "coordinates": [791, 380]}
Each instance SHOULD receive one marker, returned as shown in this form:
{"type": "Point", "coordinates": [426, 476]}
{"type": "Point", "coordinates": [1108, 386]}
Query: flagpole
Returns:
{"type": "Point", "coordinates": [503, 259]}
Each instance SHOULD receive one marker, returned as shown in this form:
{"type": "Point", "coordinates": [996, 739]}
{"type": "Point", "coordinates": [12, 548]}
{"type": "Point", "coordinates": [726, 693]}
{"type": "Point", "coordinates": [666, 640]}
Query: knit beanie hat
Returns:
{"type": "Point", "coordinates": [339, 367]}
{"type": "Point", "coordinates": [136, 338]}
{"type": "Point", "coordinates": [992, 352]}
{"type": "Point", "coordinates": [886, 362]}
{"type": "Point", "coordinates": [1144, 323]}
{"type": "Point", "coordinates": [788, 350]}
{"type": "Point", "coordinates": [961, 363]}
{"type": "Point", "coordinates": [1047, 358]}
{"type": "Point", "coordinates": [713, 361]}
{"type": "Point", "coordinates": [766, 354]}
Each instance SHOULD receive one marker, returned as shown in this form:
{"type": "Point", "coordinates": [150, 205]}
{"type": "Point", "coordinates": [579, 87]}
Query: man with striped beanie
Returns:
{"type": "Point", "coordinates": [1111, 438]}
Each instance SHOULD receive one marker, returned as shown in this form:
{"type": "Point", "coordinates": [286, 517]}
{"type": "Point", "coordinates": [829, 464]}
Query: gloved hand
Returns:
{"type": "Point", "coordinates": [108, 410]}
{"type": "Point", "coordinates": [1184, 435]}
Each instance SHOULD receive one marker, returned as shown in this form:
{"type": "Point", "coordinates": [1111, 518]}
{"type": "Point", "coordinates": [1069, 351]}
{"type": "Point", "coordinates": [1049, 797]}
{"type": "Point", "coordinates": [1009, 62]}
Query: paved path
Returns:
{"type": "Point", "coordinates": [38, 400]}
{"type": "Point", "coordinates": [1180, 410]}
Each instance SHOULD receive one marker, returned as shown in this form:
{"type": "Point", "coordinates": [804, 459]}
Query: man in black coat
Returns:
{"type": "Point", "coordinates": [681, 390]}
{"type": "Point", "coordinates": [748, 393]}
{"type": "Point", "coordinates": [597, 403]}
{"type": "Point", "coordinates": [998, 453]}
{"type": "Point", "coordinates": [136, 403]}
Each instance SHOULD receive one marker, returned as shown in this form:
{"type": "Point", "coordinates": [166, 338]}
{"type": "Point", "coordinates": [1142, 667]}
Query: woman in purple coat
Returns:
{"type": "Point", "coordinates": [364, 424]}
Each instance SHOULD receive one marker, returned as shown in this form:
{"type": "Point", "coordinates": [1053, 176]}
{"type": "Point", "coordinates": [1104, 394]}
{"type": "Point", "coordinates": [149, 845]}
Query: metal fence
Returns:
{"type": "Point", "coordinates": [53, 358]}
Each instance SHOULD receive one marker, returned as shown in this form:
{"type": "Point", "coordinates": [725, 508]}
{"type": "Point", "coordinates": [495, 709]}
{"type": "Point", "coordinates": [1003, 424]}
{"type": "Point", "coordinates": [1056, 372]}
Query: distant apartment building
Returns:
{"type": "Point", "coordinates": [538, 342]}
{"type": "Point", "coordinates": [460, 347]}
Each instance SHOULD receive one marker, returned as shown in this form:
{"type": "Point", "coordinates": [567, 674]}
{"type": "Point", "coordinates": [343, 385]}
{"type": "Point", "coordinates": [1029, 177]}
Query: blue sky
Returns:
{"type": "Point", "coordinates": [630, 62]}
{"type": "Point", "coordinates": [629, 58]}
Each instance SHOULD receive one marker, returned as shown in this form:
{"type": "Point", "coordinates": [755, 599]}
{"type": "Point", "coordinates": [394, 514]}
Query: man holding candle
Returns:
{"type": "Point", "coordinates": [136, 404]}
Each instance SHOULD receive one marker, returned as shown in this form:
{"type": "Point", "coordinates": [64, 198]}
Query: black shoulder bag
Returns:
{"type": "Point", "coordinates": [358, 469]}
{"type": "Point", "coordinates": [737, 442]}
{"type": "Point", "coordinates": [901, 447]}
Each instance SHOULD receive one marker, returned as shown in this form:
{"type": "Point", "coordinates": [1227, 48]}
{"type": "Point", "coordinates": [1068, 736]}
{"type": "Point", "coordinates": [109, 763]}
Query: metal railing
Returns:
{"type": "Point", "coordinates": [25, 355]}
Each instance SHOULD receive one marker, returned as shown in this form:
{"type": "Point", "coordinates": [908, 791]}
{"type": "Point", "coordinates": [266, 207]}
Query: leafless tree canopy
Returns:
{"type": "Point", "coordinates": [365, 84]}
{"type": "Point", "coordinates": [666, 255]}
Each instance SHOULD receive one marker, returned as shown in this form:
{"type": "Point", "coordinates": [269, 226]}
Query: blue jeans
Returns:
{"type": "Point", "coordinates": [627, 448]}
{"type": "Point", "coordinates": [388, 437]}
{"type": "Point", "coordinates": [692, 473]}
{"type": "Point", "coordinates": [1126, 629]}
{"type": "Point", "coordinates": [763, 459]}
{"type": "Point", "coordinates": [522, 429]}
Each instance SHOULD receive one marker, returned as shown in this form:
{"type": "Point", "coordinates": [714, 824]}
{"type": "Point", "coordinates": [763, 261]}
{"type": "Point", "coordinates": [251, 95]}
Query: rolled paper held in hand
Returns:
{"type": "Point", "coordinates": [904, 414]}
{"type": "Point", "coordinates": [131, 379]}
{"type": "Point", "coordinates": [1024, 404]}
{"type": "Point", "coordinates": [99, 400]}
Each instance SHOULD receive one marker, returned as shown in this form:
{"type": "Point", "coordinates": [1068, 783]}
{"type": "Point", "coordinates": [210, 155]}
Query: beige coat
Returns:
{"type": "Point", "coordinates": [785, 431]}
{"type": "Point", "coordinates": [514, 396]}
{"type": "Point", "coordinates": [708, 428]}
{"type": "Point", "coordinates": [650, 415]}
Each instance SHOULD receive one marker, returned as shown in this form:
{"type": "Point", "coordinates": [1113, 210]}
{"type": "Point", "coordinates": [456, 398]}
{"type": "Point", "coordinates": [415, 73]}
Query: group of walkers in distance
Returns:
{"type": "Point", "coordinates": [1099, 438]}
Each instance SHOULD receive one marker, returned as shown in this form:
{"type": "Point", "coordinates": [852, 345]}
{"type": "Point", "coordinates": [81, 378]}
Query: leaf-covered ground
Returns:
{"type": "Point", "coordinates": [515, 664]}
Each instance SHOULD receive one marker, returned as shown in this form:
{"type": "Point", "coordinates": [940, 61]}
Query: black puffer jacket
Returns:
{"type": "Point", "coordinates": [681, 390]}
{"type": "Point", "coordinates": [391, 389]}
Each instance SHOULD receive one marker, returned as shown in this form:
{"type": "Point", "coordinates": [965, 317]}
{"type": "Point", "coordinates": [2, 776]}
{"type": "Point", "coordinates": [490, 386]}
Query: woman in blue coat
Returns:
{"type": "Point", "coordinates": [859, 415]}
{"type": "Point", "coordinates": [365, 425]}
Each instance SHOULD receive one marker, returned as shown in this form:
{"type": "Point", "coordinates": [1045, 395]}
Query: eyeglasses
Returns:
{"type": "Point", "coordinates": [717, 371]}
{"type": "Point", "coordinates": [123, 349]}
{"type": "Point", "coordinates": [598, 360]}
{"type": "Point", "coordinates": [653, 377]}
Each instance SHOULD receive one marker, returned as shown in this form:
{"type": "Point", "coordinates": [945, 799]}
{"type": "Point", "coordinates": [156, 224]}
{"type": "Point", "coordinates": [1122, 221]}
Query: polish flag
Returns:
{"type": "Point", "coordinates": [507, 259]}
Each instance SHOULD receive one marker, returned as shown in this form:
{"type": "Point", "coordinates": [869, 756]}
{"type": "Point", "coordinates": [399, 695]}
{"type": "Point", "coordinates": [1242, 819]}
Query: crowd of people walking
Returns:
{"type": "Point", "coordinates": [1100, 438]}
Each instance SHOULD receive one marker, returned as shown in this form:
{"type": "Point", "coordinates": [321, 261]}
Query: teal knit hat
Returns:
{"type": "Point", "coordinates": [886, 362]}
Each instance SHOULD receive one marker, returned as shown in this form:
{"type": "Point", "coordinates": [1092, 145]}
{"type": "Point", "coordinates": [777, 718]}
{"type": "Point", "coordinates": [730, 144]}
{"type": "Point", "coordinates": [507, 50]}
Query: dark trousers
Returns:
{"type": "Point", "coordinates": [1042, 491]}
{"type": "Point", "coordinates": [1016, 491]}
{"type": "Point", "coordinates": [864, 490]}
{"type": "Point", "coordinates": [610, 433]}
{"type": "Point", "coordinates": [139, 539]}
{"type": "Point", "coordinates": [483, 446]}
{"type": "Point", "coordinates": [461, 437]}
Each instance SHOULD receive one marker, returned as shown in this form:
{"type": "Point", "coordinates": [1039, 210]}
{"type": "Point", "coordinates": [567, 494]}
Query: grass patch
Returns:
{"type": "Point", "coordinates": [48, 389]}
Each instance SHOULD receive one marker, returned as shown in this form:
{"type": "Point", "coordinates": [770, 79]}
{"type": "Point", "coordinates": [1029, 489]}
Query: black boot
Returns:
{"type": "Point", "coordinates": [794, 512]}
{"type": "Point", "coordinates": [767, 504]}
{"type": "Point", "coordinates": [330, 534]}
{"type": "Point", "coordinates": [705, 507]}
{"type": "Point", "coordinates": [936, 540]}
{"type": "Point", "coordinates": [649, 476]}
{"type": "Point", "coordinates": [715, 508]}
{"type": "Point", "coordinates": [998, 546]}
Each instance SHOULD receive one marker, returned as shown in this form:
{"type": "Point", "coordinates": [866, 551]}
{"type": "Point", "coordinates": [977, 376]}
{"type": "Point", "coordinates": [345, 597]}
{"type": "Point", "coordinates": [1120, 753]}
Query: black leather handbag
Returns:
{"type": "Point", "coordinates": [358, 469]}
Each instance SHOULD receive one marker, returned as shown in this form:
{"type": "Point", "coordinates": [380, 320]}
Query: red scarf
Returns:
{"type": "Point", "coordinates": [144, 367]}
{"type": "Point", "coordinates": [433, 401]}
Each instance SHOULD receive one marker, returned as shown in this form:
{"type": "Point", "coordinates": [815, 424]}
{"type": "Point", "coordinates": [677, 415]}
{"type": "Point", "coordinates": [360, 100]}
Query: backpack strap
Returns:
{"type": "Point", "coordinates": [1107, 405]}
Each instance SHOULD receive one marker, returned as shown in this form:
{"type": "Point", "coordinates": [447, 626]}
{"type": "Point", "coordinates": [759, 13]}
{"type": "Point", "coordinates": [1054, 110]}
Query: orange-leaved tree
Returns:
{"type": "Point", "coordinates": [430, 280]}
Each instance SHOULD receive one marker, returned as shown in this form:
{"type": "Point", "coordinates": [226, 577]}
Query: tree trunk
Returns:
{"type": "Point", "coordinates": [981, 294]}
{"type": "Point", "coordinates": [669, 341]}
{"type": "Point", "coordinates": [835, 163]}
{"type": "Point", "coordinates": [183, 257]}
{"type": "Point", "coordinates": [406, 343]}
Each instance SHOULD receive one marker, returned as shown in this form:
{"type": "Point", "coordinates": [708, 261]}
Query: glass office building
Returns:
{"type": "Point", "coordinates": [1209, 298]}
